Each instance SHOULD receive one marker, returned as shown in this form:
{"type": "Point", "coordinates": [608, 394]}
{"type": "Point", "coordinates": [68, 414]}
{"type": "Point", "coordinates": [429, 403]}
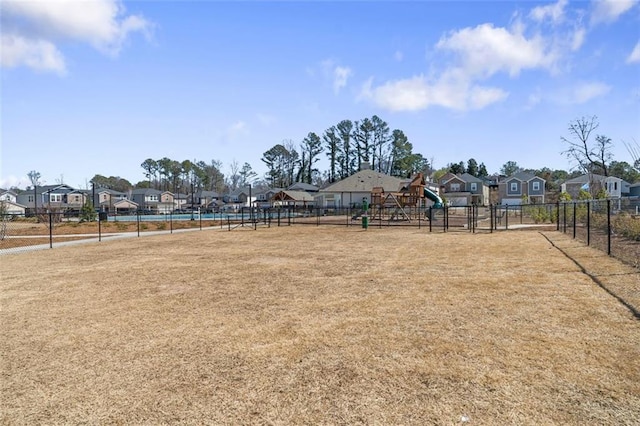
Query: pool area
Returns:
{"type": "Point", "coordinates": [198, 216]}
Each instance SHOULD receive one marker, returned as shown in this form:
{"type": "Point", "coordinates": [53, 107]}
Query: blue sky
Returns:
{"type": "Point", "coordinates": [97, 87]}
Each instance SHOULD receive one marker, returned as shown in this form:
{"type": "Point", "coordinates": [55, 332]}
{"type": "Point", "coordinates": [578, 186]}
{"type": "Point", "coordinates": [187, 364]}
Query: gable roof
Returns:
{"type": "Point", "coordinates": [287, 195]}
{"type": "Point", "coordinates": [587, 178]}
{"type": "Point", "coordinates": [302, 186]}
{"type": "Point", "coordinates": [470, 178]}
{"type": "Point", "coordinates": [365, 181]}
{"type": "Point", "coordinates": [522, 176]}
{"type": "Point", "coordinates": [145, 191]}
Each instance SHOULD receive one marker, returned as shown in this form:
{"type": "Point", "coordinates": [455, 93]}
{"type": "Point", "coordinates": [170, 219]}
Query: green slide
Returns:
{"type": "Point", "coordinates": [433, 197]}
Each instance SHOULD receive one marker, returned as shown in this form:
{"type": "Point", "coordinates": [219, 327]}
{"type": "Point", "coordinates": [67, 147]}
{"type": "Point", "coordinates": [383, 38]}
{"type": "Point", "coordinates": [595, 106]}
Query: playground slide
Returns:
{"type": "Point", "coordinates": [437, 201]}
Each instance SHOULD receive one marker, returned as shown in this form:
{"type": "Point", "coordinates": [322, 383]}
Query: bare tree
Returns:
{"type": "Point", "coordinates": [634, 151]}
{"type": "Point", "coordinates": [590, 159]}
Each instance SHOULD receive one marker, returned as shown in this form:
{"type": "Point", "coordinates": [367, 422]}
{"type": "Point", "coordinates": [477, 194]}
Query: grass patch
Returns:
{"type": "Point", "coordinates": [314, 326]}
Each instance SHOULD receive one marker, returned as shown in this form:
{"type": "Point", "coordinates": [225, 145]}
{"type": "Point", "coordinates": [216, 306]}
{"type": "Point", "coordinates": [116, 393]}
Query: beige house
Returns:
{"type": "Point", "coordinates": [351, 191]}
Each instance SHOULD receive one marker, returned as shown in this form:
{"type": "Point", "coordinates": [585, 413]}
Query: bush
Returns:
{"type": "Point", "coordinates": [627, 226]}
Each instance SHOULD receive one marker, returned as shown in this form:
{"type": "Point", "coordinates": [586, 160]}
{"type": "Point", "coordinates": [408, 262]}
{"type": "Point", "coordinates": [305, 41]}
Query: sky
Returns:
{"type": "Point", "coordinates": [98, 86]}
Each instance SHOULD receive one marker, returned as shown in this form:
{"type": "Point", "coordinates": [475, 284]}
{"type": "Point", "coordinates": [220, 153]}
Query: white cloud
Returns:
{"type": "Point", "coordinates": [607, 11]}
{"type": "Point", "coordinates": [417, 93]}
{"type": "Point", "coordinates": [486, 50]}
{"type": "Point", "coordinates": [584, 92]}
{"type": "Point", "coordinates": [340, 77]}
{"type": "Point", "coordinates": [634, 56]}
{"type": "Point", "coordinates": [554, 12]}
{"type": "Point", "coordinates": [40, 25]}
{"type": "Point", "coordinates": [40, 55]}
{"type": "Point", "coordinates": [337, 75]}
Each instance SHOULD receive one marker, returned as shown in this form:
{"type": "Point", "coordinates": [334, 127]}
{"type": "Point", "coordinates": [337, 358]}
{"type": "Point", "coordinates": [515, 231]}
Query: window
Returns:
{"type": "Point", "coordinates": [152, 198]}
{"type": "Point", "coordinates": [455, 187]}
{"type": "Point", "coordinates": [30, 199]}
{"type": "Point", "coordinates": [536, 186]}
{"type": "Point", "coordinates": [474, 186]}
{"type": "Point", "coordinates": [514, 186]}
{"type": "Point", "coordinates": [615, 186]}
{"type": "Point", "coordinates": [55, 198]}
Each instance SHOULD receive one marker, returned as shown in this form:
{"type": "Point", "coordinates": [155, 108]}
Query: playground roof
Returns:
{"type": "Point", "coordinates": [293, 196]}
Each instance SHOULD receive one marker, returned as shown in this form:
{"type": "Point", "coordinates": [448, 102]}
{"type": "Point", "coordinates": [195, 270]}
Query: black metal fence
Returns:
{"type": "Point", "coordinates": [611, 226]}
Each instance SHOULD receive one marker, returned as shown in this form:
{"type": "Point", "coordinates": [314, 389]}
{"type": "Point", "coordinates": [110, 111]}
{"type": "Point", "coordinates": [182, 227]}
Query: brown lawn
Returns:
{"type": "Point", "coordinates": [308, 325]}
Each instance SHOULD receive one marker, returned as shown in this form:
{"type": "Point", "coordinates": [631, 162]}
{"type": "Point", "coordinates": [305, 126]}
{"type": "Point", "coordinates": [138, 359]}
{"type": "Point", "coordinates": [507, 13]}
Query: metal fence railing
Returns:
{"type": "Point", "coordinates": [612, 226]}
{"type": "Point", "coordinates": [609, 225]}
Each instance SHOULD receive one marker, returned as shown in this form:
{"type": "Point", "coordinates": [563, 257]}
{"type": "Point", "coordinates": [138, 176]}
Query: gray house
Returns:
{"type": "Point", "coordinates": [153, 201]}
{"type": "Point", "coordinates": [52, 197]}
{"type": "Point", "coordinates": [464, 189]}
{"type": "Point", "coordinates": [522, 187]}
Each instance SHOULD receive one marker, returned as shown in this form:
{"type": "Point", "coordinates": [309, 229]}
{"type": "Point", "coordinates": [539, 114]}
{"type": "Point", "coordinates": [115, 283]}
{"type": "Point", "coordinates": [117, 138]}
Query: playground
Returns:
{"type": "Point", "coordinates": [330, 325]}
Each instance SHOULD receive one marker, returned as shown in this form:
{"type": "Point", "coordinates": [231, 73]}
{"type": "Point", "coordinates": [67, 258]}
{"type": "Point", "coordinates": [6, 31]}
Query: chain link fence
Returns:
{"type": "Point", "coordinates": [609, 225]}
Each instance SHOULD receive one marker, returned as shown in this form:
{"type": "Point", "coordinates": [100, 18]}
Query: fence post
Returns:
{"type": "Point", "coordinates": [574, 219]}
{"type": "Point", "coordinates": [200, 216]}
{"type": "Point", "coordinates": [228, 222]}
{"type": "Point", "coordinates": [50, 230]}
{"type": "Point", "coordinates": [564, 217]}
{"type": "Point", "coordinates": [99, 228]}
{"type": "Point", "coordinates": [521, 209]}
{"type": "Point", "coordinates": [558, 215]}
{"type": "Point", "coordinates": [506, 216]}
{"type": "Point", "coordinates": [171, 222]}
{"type": "Point", "coordinates": [138, 221]}
{"type": "Point", "coordinates": [609, 226]}
{"type": "Point", "coordinates": [445, 220]}
{"type": "Point", "coordinates": [588, 222]}
{"type": "Point", "coordinates": [318, 216]}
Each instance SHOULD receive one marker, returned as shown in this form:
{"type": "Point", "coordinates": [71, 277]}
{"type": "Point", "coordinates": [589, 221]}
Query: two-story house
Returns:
{"type": "Point", "coordinates": [9, 203]}
{"type": "Point", "coordinates": [464, 189]}
{"type": "Point", "coordinates": [593, 183]}
{"type": "Point", "coordinates": [52, 197]}
{"type": "Point", "coordinates": [522, 188]}
{"type": "Point", "coordinates": [105, 199]}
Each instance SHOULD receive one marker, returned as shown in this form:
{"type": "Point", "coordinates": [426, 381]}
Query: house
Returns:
{"type": "Point", "coordinates": [522, 188]}
{"type": "Point", "coordinates": [352, 190]}
{"type": "Point", "coordinates": [634, 190]}
{"type": "Point", "coordinates": [124, 206]}
{"type": "Point", "coordinates": [9, 203]}
{"type": "Point", "coordinates": [203, 198]}
{"type": "Point", "coordinates": [464, 189]}
{"type": "Point", "coordinates": [615, 187]}
{"type": "Point", "coordinates": [239, 198]}
{"type": "Point", "coordinates": [153, 201]}
{"type": "Point", "coordinates": [52, 197]}
{"type": "Point", "coordinates": [181, 201]}
{"type": "Point", "coordinates": [105, 199]}
{"type": "Point", "coordinates": [264, 196]}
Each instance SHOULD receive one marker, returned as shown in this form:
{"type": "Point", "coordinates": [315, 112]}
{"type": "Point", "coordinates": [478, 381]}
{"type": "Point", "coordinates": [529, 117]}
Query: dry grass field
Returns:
{"type": "Point", "coordinates": [308, 325]}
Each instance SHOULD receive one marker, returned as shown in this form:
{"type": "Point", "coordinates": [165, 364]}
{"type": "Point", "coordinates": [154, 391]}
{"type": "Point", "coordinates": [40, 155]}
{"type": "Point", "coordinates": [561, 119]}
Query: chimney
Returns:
{"type": "Point", "coordinates": [365, 165]}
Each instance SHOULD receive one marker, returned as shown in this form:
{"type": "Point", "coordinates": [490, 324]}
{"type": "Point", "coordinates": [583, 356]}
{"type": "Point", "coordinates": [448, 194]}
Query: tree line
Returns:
{"type": "Point", "coordinates": [348, 145]}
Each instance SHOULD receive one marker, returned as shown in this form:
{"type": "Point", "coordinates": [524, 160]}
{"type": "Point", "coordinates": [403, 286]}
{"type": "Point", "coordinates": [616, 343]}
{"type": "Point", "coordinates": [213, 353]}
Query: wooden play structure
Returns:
{"type": "Point", "coordinates": [404, 204]}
